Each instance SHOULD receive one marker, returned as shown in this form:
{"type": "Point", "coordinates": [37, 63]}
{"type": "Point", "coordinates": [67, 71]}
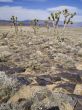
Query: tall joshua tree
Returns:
{"type": "Point", "coordinates": [52, 18]}
{"type": "Point", "coordinates": [35, 24]}
{"type": "Point", "coordinates": [14, 21]}
{"type": "Point", "coordinates": [55, 17]}
{"type": "Point", "coordinates": [68, 17]}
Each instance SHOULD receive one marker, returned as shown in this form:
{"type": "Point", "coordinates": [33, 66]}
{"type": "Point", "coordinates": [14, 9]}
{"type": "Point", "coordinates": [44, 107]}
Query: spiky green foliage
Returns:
{"type": "Point", "coordinates": [52, 18]}
{"type": "Point", "coordinates": [68, 17]}
{"type": "Point", "coordinates": [14, 21]}
{"type": "Point", "coordinates": [55, 17]}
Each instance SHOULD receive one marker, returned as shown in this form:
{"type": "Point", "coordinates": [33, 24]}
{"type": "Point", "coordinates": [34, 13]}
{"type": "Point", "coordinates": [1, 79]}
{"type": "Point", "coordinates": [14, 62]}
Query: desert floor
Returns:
{"type": "Point", "coordinates": [41, 71]}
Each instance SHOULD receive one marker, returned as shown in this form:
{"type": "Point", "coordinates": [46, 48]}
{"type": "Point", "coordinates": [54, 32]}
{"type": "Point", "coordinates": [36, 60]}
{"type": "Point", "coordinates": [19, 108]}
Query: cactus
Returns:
{"type": "Point", "coordinates": [14, 21]}
{"type": "Point", "coordinates": [68, 16]}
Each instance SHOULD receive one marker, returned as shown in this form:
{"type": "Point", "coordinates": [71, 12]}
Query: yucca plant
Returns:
{"type": "Point", "coordinates": [55, 17]}
{"type": "Point", "coordinates": [14, 21]}
{"type": "Point", "coordinates": [68, 17]}
{"type": "Point", "coordinates": [52, 18]}
{"type": "Point", "coordinates": [34, 23]}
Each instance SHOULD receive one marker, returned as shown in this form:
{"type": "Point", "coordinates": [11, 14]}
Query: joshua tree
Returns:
{"type": "Point", "coordinates": [52, 18]}
{"type": "Point", "coordinates": [14, 21]}
{"type": "Point", "coordinates": [55, 17]}
{"type": "Point", "coordinates": [35, 24]}
{"type": "Point", "coordinates": [68, 16]}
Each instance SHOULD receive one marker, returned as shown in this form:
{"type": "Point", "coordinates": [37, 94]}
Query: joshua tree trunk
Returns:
{"type": "Point", "coordinates": [64, 26]}
{"type": "Point", "coordinates": [57, 23]}
{"type": "Point", "coordinates": [53, 22]}
{"type": "Point", "coordinates": [65, 23]}
{"type": "Point", "coordinates": [16, 27]}
{"type": "Point", "coordinates": [34, 30]}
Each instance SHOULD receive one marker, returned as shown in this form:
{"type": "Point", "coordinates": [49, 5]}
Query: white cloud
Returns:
{"type": "Point", "coordinates": [24, 13]}
{"type": "Point", "coordinates": [70, 8]}
{"type": "Point", "coordinates": [6, 0]}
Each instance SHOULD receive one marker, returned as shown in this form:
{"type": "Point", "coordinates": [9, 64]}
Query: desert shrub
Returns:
{"type": "Point", "coordinates": [55, 17]}
{"type": "Point", "coordinates": [6, 81]}
{"type": "Point", "coordinates": [8, 87]}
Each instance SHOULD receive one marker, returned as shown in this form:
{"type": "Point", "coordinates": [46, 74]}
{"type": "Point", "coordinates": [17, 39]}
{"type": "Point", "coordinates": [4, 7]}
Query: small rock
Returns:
{"type": "Point", "coordinates": [4, 52]}
{"type": "Point", "coordinates": [79, 66]}
{"type": "Point", "coordinates": [78, 89]}
{"type": "Point", "coordinates": [4, 48]}
{"type": "Point", "coordinates": [80, 52]}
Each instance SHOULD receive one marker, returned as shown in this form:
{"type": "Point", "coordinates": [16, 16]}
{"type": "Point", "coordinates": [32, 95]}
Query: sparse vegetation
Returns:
{"type": "Point", "coordinates": [15, 23]}
{"type": "Point", "coordinates": [35, 25]}
{"type": "Point", "coordinates": [39, 68]}
{"type": "Point", "coordinates": [55, 17]}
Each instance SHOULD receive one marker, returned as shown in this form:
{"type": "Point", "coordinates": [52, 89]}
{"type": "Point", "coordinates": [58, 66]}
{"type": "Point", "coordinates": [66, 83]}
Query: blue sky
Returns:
{"type": "Point", "coordinates": [29, 9]}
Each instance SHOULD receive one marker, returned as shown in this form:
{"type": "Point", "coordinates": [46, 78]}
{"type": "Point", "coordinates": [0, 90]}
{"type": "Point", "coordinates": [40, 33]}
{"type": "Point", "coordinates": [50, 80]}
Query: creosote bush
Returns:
{"type": "Point", "coordinates": [8, 82]}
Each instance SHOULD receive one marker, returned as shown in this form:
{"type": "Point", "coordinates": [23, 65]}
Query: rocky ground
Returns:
{"type": "Point", "coordinates": [41, 71]}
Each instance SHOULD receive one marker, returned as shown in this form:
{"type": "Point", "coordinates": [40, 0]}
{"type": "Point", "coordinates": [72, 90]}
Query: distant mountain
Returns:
{"type": "Point", "coordinates": [79, 24]}
{"type": "Point", "coordinates": [4, 22]}
{"type": "Point", "coordinates": [41, 23]}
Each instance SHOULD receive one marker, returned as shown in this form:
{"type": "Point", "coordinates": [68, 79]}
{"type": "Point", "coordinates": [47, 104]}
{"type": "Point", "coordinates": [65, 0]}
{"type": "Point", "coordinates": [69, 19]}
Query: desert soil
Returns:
{"type": "Point", "coordinates": [41, 63]}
